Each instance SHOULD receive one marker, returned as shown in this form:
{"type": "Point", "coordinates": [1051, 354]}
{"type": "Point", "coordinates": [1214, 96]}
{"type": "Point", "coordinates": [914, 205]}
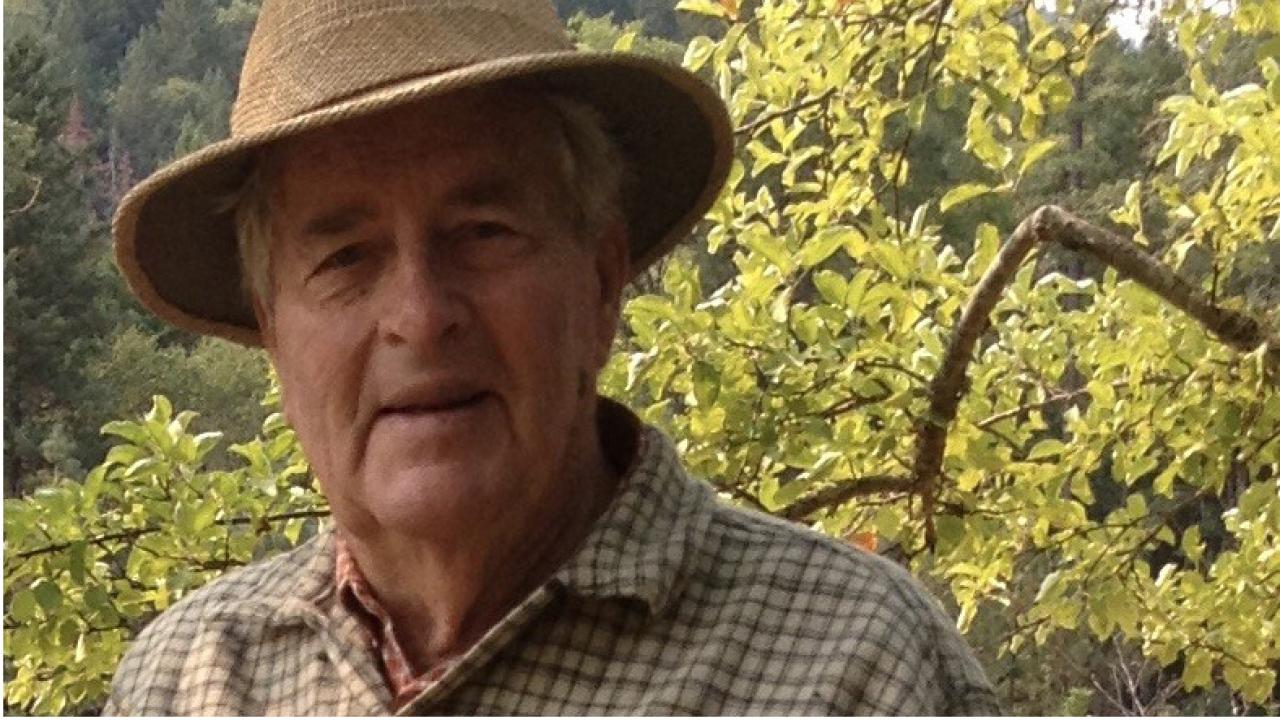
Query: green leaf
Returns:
{"type": "Point", "coordinates": [97, 601]}
{"type": "Point", "coordinates": [703, 7]}
{"type": "Point", "coordinates": [963, 193]}
{"type": "Point", "coordinates": [1034, 153]}
{"type": "Point", "coordinates": [624, 42]}
{"type": "Point", "coordinates": [1058, 92]}
{"type": "Point", "coordinates": [161, 410]}
{"type": "Point", "coordinates": [706, 383]}
{"type": "Point", "coordinates": [206, 512]}
{"type": "Point", "coordinates": [1192, 545]}
{"type": "Point", "coordinates": [918, 219]}
{"type": "Point", "coordinates": [915, 111]}
{"type": "Point", "coordinates": [999, 100]}
{"type": "Point", "coordinates": [822, 245]}
{"type": "Point", "coordinates": [698, 52]}
{"type": "Point", "coordinates": [1197, 670]}
{"type": "Point", "coordinates": [22, 607]}
{"type": "Point", "coordinates": [1049, 587]}
{"type": "Point", "coordinates": [131, 431]}
{"type": "Point", "coordinates": [124, 454]}
{"type": "Point", "coordinates": [771, 248]}
{"type": "Point", "coordinates": [888, 523]}
{"type": "Point", "coordinates": [857, 290]}
{"type": "Point", "coordinates": [894, 260]}
{"type": "Point", "coordinates": [830, 286]}
{"type": "Point", "coordinates": [76, 562]}
{"type": "Point", "coordinates": [48, 594]}
{"type": "Point", "coordinates": [1046, 449]}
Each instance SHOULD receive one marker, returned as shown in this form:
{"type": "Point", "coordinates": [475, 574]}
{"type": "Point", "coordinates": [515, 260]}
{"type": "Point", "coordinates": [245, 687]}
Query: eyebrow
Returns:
{"type": "Point", "coordinates": [338, 221]}
{"type": "Point", "coordinates": [486, 190]}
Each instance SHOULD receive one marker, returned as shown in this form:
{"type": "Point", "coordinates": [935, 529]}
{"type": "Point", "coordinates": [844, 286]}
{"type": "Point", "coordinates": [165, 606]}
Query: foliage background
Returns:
{"type": "Point", "coordinates": [1103, 514]}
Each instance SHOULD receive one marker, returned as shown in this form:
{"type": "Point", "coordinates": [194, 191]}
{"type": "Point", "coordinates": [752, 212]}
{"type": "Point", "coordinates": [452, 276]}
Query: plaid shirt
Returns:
{"type": "Point", "coordinates": [354, 588]}
{"type": "Point", "coordinates": [674, 604]}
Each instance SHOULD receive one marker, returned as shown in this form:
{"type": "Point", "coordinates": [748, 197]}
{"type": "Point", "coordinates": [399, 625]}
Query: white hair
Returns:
{"type": "Point", "coordinates": [591, 171]}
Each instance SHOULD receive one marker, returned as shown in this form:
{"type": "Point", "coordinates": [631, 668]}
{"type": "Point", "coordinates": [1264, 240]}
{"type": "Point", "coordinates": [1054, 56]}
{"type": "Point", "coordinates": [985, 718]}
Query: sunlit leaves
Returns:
{"type": "Point", "coordinates": [88, 562]}
{"type": "Point", "coordinates": [962, 193]}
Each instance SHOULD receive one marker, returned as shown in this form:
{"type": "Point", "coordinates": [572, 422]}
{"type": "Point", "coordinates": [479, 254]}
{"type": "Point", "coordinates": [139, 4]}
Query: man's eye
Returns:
{"type": "Point", "coordinates": [343, 258]}
{"type": "Point", "coordinates": [489, 244]}
{"type": "Point", "coordinates": [485, 230]}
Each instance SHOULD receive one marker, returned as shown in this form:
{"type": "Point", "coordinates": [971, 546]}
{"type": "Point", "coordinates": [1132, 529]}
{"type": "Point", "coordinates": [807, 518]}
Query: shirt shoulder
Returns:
{"type": "Point", "coordinates": [759, 548]}
{"type": "Point", "coordinates": [898, 649]}
{"type": "Point", "coordinates": [162, 659]}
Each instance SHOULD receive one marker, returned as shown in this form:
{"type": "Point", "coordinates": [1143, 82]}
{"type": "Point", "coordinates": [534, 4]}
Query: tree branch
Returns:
{"type": "Point", "coordinates": [35, 195]}
{"type": "Point", "coordinates": [837, 494]}
{"type": "Point", "coordinates": [135, 533]}
{"type": "Point", "coordinates": [855, 402]}
{"type": "Point", "coordinates": [1237, 329]}
{"type": "Point", "coordinates": [1053, 224]}
{"type": "Point", "coordinates": [769, 117]}
{"type": "Point", "coordinates": [940, 10]}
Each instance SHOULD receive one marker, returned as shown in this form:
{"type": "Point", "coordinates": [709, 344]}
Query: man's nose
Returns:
{"type": "Point", "coordinates": [422, 305]}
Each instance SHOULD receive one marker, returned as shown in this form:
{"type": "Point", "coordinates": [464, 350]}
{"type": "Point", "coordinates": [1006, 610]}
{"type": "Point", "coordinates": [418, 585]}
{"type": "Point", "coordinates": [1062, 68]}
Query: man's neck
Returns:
{"type": "Point", "coordinates": [443, 595]}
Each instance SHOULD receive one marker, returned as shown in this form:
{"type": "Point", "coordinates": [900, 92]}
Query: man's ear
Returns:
{"type": "Point", "coordinates": [265, 329]}
{"type": "Point", "coordinates": [613, 272]}
{"type": "Point", "coordinates": [613, 263]}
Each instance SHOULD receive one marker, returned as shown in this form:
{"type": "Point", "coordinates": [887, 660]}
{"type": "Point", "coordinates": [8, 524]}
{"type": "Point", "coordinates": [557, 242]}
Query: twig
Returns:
{"type": "Point", "coordinates": [890, 365]}
{"type": "Point", "coordinates": [836, 494]}
{"type": "Point", "coordinates": [769, 117]}
{"type": "Point", "coordinates": [35, 195]}
{"type": "Point", "coordinates": [894, 180]}
{"type": "Point", "coordinates": [987, 422]}
{"type": "Point", "coordinates": [135, 533]}
{"type": "Point", "coordinates": [856, 402]}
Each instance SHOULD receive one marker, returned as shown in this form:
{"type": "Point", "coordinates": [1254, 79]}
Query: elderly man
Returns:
{"type": "Point", "coordinates": [426, 214]}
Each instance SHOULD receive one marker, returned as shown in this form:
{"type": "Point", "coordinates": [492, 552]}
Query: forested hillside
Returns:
{"type": "Point", "coordinates": [1070, 427]}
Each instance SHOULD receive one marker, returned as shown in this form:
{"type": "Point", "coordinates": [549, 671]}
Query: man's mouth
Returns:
{"type": "Point", "coordinates": [447, 404]}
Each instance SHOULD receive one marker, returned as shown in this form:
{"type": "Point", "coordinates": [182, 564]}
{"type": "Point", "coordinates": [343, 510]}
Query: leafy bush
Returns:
{"type": "Point", "coordinates": [89, 562]}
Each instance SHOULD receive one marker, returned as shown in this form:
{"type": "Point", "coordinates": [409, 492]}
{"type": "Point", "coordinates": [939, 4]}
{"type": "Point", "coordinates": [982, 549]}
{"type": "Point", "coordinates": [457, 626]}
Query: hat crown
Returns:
{"type": "Point", "coordinates": [305, 55]}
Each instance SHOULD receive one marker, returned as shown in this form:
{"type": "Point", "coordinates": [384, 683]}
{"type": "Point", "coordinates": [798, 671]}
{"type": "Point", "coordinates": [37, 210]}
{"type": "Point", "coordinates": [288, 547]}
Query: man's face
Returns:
{"type": "Point", "coordinates": [436, 323]}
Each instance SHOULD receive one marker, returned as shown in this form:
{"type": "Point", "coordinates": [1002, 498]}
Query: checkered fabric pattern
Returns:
{"type": "Point", "coordinates": [354, 589]}
{"type": "Point", "coordinates": [675, 604]}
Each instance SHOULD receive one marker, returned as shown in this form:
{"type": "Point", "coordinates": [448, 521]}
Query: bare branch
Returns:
{"type": "Point", "coordinates": [1053, 399]}
{"type": "Point", "coordinates": [845, 491]}
{"type": "Point", "coordinates": [1045, 225]}
{"type": "Point", "coordinates": [1234, 328]}
{"type": "Point", "coordinates": [769, 117]}
{"type": "Point", "coordinates": [135, 533]}
{"type": "Point", "coordinates": [940, 11]}
{"type": "Point", "coordinates": [31, 202]}
{"type": "Point", "coordinates": [856, 402]}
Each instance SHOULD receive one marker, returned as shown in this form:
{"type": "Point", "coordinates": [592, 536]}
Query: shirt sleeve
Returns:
{"type": "Point", "coordinates": [113, 708]}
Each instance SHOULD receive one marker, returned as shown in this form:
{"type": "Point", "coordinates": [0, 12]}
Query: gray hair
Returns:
{"type": "Point", "coordinates": [592, 173]}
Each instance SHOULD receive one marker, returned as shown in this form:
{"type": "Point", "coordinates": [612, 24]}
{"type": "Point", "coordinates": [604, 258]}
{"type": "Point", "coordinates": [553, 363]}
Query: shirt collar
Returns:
{"type": "Point", "coordinates": [639, 545]}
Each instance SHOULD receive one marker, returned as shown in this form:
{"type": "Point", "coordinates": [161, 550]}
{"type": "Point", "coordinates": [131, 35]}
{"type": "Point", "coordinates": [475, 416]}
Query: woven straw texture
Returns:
{"type": "Point", "coordinates": [292, 66]}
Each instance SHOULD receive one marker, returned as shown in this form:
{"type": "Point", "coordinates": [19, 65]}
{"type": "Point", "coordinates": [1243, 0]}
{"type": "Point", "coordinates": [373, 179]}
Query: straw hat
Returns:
{"type": "Point", "coordinates": [313, 63]}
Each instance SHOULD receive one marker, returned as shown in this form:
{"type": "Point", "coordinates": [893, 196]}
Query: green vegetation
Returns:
{"type": "Point", "coordinates": [1071, 428]}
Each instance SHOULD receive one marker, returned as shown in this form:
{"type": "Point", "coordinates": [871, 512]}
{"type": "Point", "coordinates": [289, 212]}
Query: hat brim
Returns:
{"type": "Point", "coordinates": [175, 239]}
